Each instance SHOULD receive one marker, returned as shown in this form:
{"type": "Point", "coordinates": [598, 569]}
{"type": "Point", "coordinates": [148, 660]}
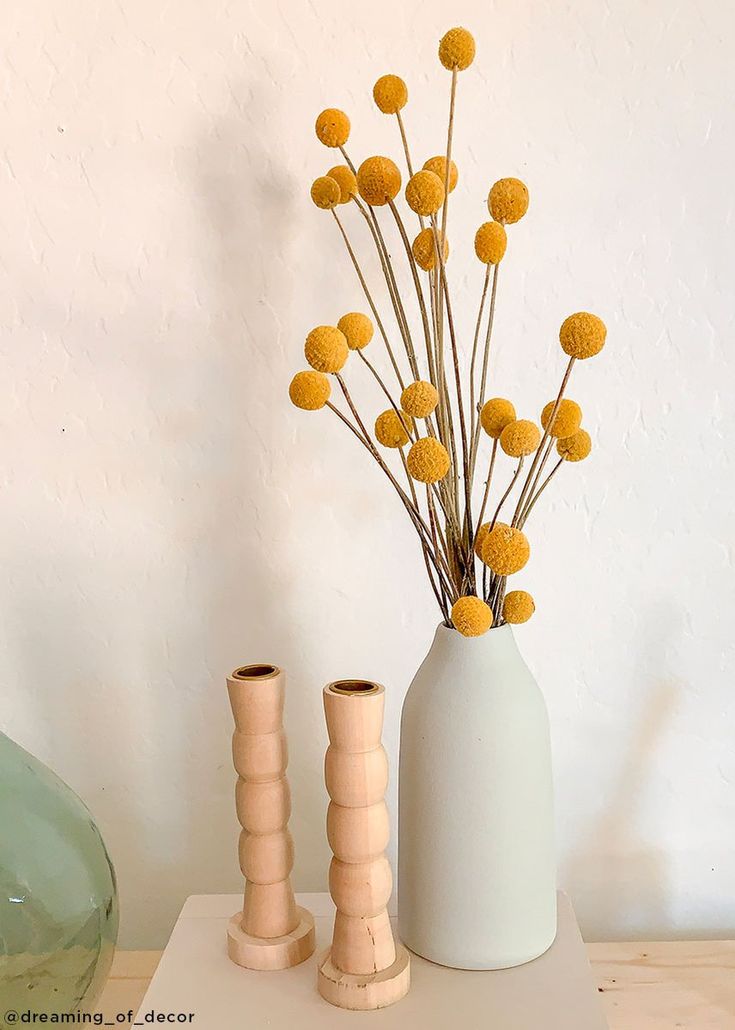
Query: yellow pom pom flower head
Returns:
{"type": "Point", "coordinates": [505, 549]}
{"type": "Point", "coordinates": [495, 415]}
{"type": "Point", "coordinates": [575, 448]}
{"type": "Point", "coordinates": [471, 616]}
{"type": "Point", "coordinates": [346, 180]}
{"type": "Point", "coordinates": [582, 335]}
{"type": "Point", "coordinates": [490, 243]}
{"type": "Point", "coordinates": [391, 429]}
{"type": "Point", "coordinates": [518, 607]}
{"type": "Point", "coordinates": [390, 94]}
{"type": "Point", "coordinates": [520, 438]}
{"type": "Point", "coordinates": [567, 420]}
{"type": "Point", "coordinates": [438, 165]}
{"type": "Point", "coordinates": [419, 399]}
{"type": "Point", "coordinates": [457, 49]}
{"type": "Point", "coordinates": [333, 127]}
{"type": "Point", "coordinates": [480, 538]}
{"type": "Point", "coordinates": [357, 329]}
{"type": "Point", "coordinates": [326, 349]}
{"type": "Point", "coordinates": [428, 460]}
{"type": "Point", "coordinates": [425, 193]}
{"type": "Point", "coordinates": [326, 193]}
{"type": "Point", "coordinates": [424, 253]}
{"type": "Point", "coordinates": [508, 200]}
{"type": "Point", "coordinates": [309, 390]}
{"type": "Point", "coordinates": [378, 180]}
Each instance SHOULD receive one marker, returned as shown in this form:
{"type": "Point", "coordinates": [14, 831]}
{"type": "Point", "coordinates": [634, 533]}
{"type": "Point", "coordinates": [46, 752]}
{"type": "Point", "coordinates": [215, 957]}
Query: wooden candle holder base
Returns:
{"type": "Point", "coordinates": [367, 991]}
{"type": "Point", "coordinates": [271, 952]}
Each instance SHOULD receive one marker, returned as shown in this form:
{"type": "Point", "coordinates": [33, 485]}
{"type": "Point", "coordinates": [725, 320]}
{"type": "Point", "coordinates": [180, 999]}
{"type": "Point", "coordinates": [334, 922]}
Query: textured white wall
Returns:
{"type": "Point", "coordinates": [165, 514]}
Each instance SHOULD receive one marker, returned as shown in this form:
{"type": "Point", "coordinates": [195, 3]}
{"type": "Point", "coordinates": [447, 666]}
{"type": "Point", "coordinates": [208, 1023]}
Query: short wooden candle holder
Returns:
{"type": "Point", "coordinates": [364, 968]}
{"type": "Point", "coordinates": [271, 932]}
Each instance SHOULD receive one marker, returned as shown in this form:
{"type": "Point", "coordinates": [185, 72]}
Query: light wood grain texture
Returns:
{"type": "Point", "coordinates": [672, 985]}
{"type": "Point", "coordinates": [271, 931]}
{"type": "Point", "coordinates": [364, 968]}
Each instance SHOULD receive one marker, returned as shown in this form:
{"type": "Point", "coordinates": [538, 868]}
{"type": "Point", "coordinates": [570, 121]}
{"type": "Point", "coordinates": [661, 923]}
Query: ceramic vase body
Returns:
{"type": "Point", "coordinates": [476, 868]}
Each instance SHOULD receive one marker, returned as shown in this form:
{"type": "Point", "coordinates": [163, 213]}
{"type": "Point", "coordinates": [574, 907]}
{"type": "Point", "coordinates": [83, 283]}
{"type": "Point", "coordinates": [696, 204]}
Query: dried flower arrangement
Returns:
{"type": "Point", "coordinates": [440, 419]}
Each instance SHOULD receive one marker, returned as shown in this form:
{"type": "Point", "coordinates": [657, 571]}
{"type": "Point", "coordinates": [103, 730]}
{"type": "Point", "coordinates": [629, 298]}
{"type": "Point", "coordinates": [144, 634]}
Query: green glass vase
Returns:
{"type": "Point", "coordinates": [58, 894]}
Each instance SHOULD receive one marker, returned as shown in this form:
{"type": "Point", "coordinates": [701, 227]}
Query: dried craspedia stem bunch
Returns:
{"type": "Point", "coordinates": [467, 471]}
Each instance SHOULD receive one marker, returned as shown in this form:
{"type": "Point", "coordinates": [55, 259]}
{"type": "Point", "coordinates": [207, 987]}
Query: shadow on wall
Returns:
{"type": "Point", "coordinates": [246, 205]}
{"type": "Point", "coordinates": [616, 879]}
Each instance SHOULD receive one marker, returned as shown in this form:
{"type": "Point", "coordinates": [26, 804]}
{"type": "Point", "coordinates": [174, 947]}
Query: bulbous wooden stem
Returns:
{"type": "Point", "coordinates": [271, 932]}
{"type": "Point", "coordinates": [364, 969]}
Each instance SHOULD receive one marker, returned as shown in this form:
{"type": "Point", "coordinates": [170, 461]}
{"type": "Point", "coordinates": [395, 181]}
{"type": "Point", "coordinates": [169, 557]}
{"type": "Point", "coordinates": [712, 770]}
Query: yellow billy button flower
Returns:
{"type": "Point", "coordinates": [378, 180]}
{"type": "Point", "coordinates": [423, 250]}
{"type": "Point", "coordinates": [567, 420]}
{"type": "Point", "coordinates": [490, 243]}
{"type": "Point", "coordinates": [325, 193]}
{"type": "Point", "coordinates": [357, 329]}
{"type": "Point", "coordinates": [428, 460]}
{"type": "Point", "coordinates": [419, 399]}
{"type": "Point", "coordinates": [505, 549]}
{"type": "Point", "coordinates": [309, 390]}
{"type": "Point", "coordinates": [333, 127]}
{"type": "Point", "coordinates": [480, 538]}
{"type": "Point", "coordinates": [575, 448]}
{"type": "Point", "coordinates": [425, 193]}
{"type": "Point", "coordinates": [390, 94]}
{"type": "Point", "coordinates": [518, 606]}
{"type": "Point", "coordinates": [496, 414]}
{"type": "Point", "coordinates": [520, 438]}
{"type": "Point", "coordinates": [508, 200]}
{"type": "Point", "coordinates": [582, 335]}
{"type": "Point", "coordinates": [391, 430]}
{"type": "Point", "coordinates": [346, 180]}
{"type": "Point", "coordinates": [457, 49]}
{"type": "Point", "coordinates": [438, 165]}
{"type": "Point", "coordinates": [326, 348]}
{"type": "Point", "coordinates": [471, 616]}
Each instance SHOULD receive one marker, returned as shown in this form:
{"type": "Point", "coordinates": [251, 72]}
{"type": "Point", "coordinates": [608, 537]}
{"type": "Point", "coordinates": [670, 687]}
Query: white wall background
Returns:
{"type": "Point", "coordinates": [165, 513]}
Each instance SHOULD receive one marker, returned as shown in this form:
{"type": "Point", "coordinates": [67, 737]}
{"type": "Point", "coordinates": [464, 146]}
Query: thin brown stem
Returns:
{"type": "Point", "coordinates": [404, 140]}
{"type": "Point", "coordinates": [537, 456]}
{"type": "Point", "coordinates": [488, 481]}
{"type": "Point", "coordinates": [371, 302]}
{"type": "Point", "coordinates": [450, 133]}
{"type": "Point", "coordinates": [408, 426]}
{"type": "Point", "coordinates": [505, 496]}
{"type": "Point", "coordinates": [414, 274]}
{"type": "Point", "coordinates": [473, 401]}
{"type": "Point", "coordinates": [485, 364]}
{"type": "Point", "coordinates": [540, 490]}
{"type": "Point", "coordinates": [539, 473]}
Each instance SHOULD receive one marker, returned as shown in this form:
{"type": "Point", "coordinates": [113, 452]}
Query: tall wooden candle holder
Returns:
{"type": "Point", "coordinates": [364, 968]}
{"type": "Point", "coordinates": [271, 932]}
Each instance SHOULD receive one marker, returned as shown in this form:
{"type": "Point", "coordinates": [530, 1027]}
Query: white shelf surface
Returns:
{"type": "Point", "coordinates": [556, 992]}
